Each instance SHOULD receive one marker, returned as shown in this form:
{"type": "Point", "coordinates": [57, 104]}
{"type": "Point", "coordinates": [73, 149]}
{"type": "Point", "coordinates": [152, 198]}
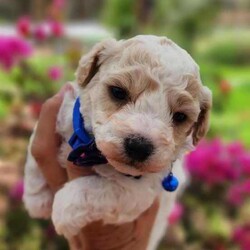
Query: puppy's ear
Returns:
{"type": "Point", "coordinates": [201, 126]}
{"type": "Point", "coordinates": [90, 63]}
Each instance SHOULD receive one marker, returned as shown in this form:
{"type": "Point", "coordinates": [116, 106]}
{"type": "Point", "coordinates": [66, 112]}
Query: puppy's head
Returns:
{"type": "Point", "coordinates": [143, 100]}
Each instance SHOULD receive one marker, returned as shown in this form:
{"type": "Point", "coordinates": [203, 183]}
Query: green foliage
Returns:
{"type": "Point", "coordinates": [121, 16]}
{"type": "Point", "coordinates": [30, 81]}
{"type": "Point", "coordinates": [235, 120]}
{"type": "Point", "coordinates": [181, 20]}
{"type": "Point", "coordinates": [230, 117]}
{"type": "Point", "coordinates": [225, 47]}
{"type": "Point", "coordinates": [187, 17]}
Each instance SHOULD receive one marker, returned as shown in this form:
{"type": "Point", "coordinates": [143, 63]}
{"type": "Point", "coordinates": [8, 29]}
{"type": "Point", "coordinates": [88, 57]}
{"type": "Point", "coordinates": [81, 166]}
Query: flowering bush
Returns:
{"type": "Point", "coordinates": [217, 197]}
{"type": "Point", "coordinates": [55, 73]}
{"type": "Point", "coordinates": [39, 32]}
{"type": "Point", "coordinates": [242, 236]}
{"type": "Point", "coordinates": [56, 28]}
{"type": "Point", "coordinates": [217, 164]}
{"type": "Point", "coordinates": [227, 166]}
{"type": "Point", "coordinates": [12, 50]}
{"type": "Point", "coordinates": [23, 26]}
{"type": "Point", "coordinates": [176, 213]}
{"type": "Point", "coordinates": [31, 80]}
{"type": "Point", "coordinates": [16, 192]}
{"type": "Point", "coordinates": [239, 192]}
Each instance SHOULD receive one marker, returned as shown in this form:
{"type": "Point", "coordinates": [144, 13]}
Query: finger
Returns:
{"type": "Point", "coordinates": [75, 243]}
{"type": "Point", "coordinates": [127, 236]}
{"type": "Point", "coordinates": [46, 141]}
{"type": "Point", "coordinates": [74, 171]}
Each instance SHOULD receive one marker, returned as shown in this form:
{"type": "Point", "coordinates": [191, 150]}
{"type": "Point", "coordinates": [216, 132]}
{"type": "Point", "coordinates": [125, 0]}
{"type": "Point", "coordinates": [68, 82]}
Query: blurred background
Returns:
{"type": "Point", "coordinates": [41, 42]}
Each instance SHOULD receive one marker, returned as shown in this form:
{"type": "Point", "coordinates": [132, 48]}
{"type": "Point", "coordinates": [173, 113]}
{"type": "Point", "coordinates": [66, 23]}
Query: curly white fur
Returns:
{"type": "Point", "coordinates": [111, 197]}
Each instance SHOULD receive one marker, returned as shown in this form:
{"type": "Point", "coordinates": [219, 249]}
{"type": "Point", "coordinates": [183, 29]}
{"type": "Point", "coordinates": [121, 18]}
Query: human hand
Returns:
{"type": "Point", "coordinates": [46, 141]}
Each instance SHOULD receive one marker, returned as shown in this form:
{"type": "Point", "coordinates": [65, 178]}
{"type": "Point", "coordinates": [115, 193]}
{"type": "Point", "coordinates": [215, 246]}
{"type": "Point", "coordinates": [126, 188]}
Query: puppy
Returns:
{"type": "Point", "coordinates": [143, 101]}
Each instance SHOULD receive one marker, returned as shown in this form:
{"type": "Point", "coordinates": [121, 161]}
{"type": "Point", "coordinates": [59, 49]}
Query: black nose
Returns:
{"type": "Point", "coordinates": [138, 148]}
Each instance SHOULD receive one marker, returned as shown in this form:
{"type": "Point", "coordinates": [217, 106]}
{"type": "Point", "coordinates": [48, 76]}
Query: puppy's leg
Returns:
{"type": "Point", "coordinates": [37, 195]}
{"type": "Point", "coordinates": [92, 198]}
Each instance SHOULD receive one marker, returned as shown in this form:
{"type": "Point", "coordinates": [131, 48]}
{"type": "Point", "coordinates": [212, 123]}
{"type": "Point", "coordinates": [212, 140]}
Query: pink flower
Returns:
{"type": "Point", "coordinates": [176, 213]}
{"type": "Point", "coordinates": [40, 33]}
{"type": "Point", "coordinates": [13, 49]}
{"type": "Point", "coordinates": [239, 192]}
{"type": "Point", "coordinates": [234, 195]}
{"type": "Point", "coordinates": [58, 4]}
{"type": "Point", "coordinates": [16, 192]}
{"type": "Point", "coordinates": [244, 160]}
{"type": "Point", "coordinates": [55, 73]}
{"type": "Point", "coordinates": [23, 26]}
{"type": "Point", "coordinates": [241, 236]}
{"type": "Point", "coordinates": [215, 163]}
{"type": "Point", "coordinates": [56, 28]}
{"type": "Point", "coordinates": [235, 148]}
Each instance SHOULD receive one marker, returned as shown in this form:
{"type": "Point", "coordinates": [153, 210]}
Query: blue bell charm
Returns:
{"type": "Point", "coordinates": [170, 182]}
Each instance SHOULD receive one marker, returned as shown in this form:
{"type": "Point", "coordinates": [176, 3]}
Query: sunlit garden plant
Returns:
{"type": "Point", "coordinates": [213, 208]}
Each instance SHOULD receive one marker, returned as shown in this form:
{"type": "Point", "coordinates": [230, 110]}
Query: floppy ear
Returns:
{"type": "Point", "coordinates": [201, 126]}
{"type": "Point", "coordinates": [90, 63]}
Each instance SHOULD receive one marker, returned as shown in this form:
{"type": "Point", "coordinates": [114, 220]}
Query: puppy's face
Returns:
{"type": "Point", "coordinates": [143, 101]}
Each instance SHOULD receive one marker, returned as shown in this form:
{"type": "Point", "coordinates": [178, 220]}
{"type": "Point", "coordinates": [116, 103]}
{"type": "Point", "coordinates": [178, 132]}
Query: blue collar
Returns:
{"type": "Point", "coordinates": [84, 153]}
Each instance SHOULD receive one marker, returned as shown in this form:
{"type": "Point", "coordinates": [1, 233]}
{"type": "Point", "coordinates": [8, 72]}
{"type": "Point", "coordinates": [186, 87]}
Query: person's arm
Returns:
{"type": "Point", "coordinates": [46, 142]}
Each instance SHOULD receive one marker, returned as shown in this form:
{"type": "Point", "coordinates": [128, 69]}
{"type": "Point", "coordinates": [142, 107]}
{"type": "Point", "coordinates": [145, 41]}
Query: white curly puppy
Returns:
{"type": "Point", "coordinates": [143, 101]}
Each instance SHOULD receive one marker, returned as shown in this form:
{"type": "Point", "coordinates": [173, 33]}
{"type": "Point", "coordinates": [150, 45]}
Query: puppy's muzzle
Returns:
{"type": "Point", "coordinates": [138, 148]}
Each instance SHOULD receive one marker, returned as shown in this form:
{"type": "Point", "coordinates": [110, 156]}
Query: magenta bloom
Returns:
{"type": "Point", "coordinates": [40, 33]}
{"type": "Point", "coordinates": [235, 194]}
{"type": "Point", "coordinates": [23, 26]}
{"type": "Point", "coordinates": [245, 161]}
{"type": "Point", "coordinates": [235, 148]}
{"type": "Point", "coordinates": [238, 192]}
{"type": "Point", "coordinates": [176, 213]}
{"type": "Point", "coordinates": [214, 163]}
{"type": "Point", "coordinates": [56, 28]}
{"type": "Point", "coordinates": [13, 49]}
{"type": "Point", "coordinates": [55, 73]}
{"type": "Point", "coordinates": [58, 4]}
{"type": "Point", "coordinates": [241, 236]}
{"type": "Point", "coordinates": [16, 192]}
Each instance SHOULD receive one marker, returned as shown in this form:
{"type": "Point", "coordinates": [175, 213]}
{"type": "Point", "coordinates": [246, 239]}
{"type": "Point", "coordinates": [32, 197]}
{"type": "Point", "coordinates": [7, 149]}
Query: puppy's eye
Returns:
{"type": "Point", "coordinates": [118, 93]}
{"type": "Point", "coordinates": [179, 117]}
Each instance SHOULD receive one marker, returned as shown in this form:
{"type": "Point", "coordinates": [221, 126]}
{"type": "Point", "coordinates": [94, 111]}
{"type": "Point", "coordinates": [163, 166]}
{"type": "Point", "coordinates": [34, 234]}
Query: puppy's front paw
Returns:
{"type": "Point", "coordinates": [39, 205]}
{"type": "Point", "coordinates": [70, 210]}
